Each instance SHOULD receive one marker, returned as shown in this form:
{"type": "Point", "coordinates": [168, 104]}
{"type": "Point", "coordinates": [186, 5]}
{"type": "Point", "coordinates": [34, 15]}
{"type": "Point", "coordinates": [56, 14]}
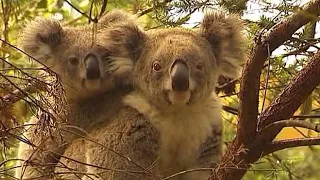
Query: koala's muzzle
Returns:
{"type": "Point", "coordinates": [180, 76]}
{"type": "Point", "coordinates": [92, 67]}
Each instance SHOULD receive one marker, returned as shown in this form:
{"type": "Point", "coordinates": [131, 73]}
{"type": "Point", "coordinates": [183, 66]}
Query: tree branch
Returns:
{"type": "Point", "coordinates": [82, 13]}
{"type": "Point", "coordinates": [283, 107]}
{"type": "Point", "coordinates": [230, 110]}
{"type": "Point", "coordinates": [146, 11]}
{"type": "Point", "coordinates": [234, 111]}
{"type": "Point", "coordinates": [288, 123]}
{"type": "Point", "coordinates": [250, 81]}
{"type": "Point", "coordinates": [17, 94]}
{"type": "Point", "coordinates": [302, 86]}
{"type": "Point", "coordinates": [287, 102]}
{"type": "Point", "coordinates": [290, 99]}
{"type": "Point", "coordinates": [290, 143]}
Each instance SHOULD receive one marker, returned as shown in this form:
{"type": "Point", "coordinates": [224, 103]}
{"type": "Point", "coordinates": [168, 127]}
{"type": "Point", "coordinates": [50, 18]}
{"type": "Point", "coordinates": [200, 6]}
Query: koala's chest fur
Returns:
{"type": "Point", "coordinates": [182, 129]}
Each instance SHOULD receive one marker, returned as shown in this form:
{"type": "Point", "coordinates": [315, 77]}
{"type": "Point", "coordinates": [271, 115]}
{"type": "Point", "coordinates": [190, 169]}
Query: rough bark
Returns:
{"type": "Point", "coordinates": [246, 149]}
{"type": "Point", "coordinates": [238, 158]}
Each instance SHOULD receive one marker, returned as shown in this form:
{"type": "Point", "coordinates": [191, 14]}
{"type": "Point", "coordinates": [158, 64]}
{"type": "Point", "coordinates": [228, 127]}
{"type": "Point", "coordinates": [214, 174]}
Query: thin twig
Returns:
{"type": "Point", "coordinates": [146, 11]}
{"type": "Point", "coordinates": [103, 7]}
{"type": "Point", "coordinates": [82, 13]}
{"type": "Point", "coordinates": [267, 78]}
{"type": "Point", "coordinates": [186, 171]}
{"type": "Point", "coordinates": [90, 12]}
{"type": "Point", "coordinates": [18, 49]}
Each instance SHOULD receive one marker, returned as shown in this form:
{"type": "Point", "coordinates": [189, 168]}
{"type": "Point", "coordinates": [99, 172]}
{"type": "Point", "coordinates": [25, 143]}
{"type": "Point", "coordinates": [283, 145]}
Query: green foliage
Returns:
{"type": "Point", "coordinates": [234, 6]}
{"type": "Point", "coordinates": [295, 163]}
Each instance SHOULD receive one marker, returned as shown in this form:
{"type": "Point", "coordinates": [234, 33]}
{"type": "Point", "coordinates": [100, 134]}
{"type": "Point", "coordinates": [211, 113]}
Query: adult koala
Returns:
{"type": "Point", "coordinates": [93, 89]}
{"type": "Point", "coordinates": [174, 76]}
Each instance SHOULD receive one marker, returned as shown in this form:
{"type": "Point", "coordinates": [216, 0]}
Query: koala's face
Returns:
{"type": "Point", "coordinates": [72, 53]}
{"type": "Point", "coordinates": [175, 68]}
{"type": "Point", "coordinates": [81, 63]}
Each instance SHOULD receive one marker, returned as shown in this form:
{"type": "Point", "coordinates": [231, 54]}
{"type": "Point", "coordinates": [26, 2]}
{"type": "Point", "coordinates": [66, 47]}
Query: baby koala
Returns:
{"type": "Point", "coordinates": [175, 73]}
{"type": "Point", "coordinates": [93, 92]}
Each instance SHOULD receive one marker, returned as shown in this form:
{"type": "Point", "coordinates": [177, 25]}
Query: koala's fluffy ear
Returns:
{"type": "Point", "coordinates": [115, 16]}
{"type": "Point", "coordinates": [227, 41]}
{"type": "Point", "coordinates": [40, 38]}
{"type": "Point", "coordinates": [125, 42]}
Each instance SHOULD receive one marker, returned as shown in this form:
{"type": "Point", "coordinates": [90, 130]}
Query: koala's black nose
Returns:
{"type": "Point", "coordinates": [92, 67]}
{"type": "Point", "coordinates": [180, 76]}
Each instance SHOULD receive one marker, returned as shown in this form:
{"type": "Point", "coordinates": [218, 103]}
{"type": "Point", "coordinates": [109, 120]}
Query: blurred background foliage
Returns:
{"type": "Point", "coordinates": [18, 71]}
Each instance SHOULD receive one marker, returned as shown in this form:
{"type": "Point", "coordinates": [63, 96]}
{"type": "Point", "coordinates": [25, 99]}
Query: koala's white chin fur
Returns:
{"type": "Point", "coordinates": [182, 130]}
{"type": "Point", "coordinates": [179, 97]}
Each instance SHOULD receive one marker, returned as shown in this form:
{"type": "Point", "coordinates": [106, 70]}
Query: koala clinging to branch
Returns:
{"type": "Point", "coordinates": [174, 77]}
{"type": "Point", "coordinates": [93, 92]}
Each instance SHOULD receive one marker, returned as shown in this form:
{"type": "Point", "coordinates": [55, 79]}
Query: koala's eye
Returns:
{"type": "Point", "coordinates": [200, 66]}
{"type": "Point", "coordinates": [73, 61]}
{"type": "Point", "coordinates": [156, 66]}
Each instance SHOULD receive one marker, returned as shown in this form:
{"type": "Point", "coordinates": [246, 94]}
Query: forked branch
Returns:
{"type": "Point", "coordinates": [246, 149]}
